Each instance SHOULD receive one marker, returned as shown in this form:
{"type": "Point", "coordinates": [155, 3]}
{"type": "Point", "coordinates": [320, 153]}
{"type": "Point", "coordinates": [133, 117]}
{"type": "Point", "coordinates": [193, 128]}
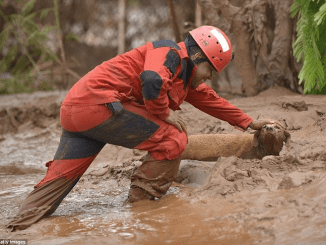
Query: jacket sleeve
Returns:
{"type": "Point", "coordinates": [156, 80]}
{"type": "Point", "coordinates": [205, 99]}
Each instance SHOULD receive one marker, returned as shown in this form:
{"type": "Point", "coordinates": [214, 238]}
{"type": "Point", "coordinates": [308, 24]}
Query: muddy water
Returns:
{"type": "Point", "coordinates": [88, 217]}
{"type": "Point", "coordinates": [94, 213]}
{"type": "Point", "coordinates": [170, 221]}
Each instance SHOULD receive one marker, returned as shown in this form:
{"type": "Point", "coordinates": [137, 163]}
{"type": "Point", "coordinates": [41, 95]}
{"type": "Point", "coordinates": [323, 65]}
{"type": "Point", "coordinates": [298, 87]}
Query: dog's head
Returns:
{"type": "Point", "coordinates": [270, 139]}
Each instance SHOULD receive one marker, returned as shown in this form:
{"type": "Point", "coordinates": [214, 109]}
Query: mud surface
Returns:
{"type": "Point", "coordinates": [276, 200]}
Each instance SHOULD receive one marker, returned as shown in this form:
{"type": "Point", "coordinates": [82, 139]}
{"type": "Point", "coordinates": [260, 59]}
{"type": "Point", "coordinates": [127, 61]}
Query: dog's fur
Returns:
{"type": "Point", "coordinates": [207, 147]}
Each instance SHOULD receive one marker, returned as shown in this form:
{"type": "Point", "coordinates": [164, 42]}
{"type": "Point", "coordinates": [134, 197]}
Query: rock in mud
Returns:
{"type": "Point", "coordinates": [232, 173]}
{"type": "Point", "coordinates": [194, 173]}
{"type": "Point", "coordinates": [299, 106]}
{"type": "Point", "coordinates": [296, 179]}
{"type": "Point", "coordinates": [264, 179]}
{"type": "Point", "coordinates": [99, 172]}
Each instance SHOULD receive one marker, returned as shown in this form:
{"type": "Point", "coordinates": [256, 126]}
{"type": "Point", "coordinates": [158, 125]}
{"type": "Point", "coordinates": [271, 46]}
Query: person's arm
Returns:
{"type": "Point", "coordinates": [156, 80]}
{"type": "Point", "coordinates": [205, 99]}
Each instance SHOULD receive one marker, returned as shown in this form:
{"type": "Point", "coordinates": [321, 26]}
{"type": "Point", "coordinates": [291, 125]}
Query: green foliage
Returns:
{"type": "Point", "coordinates": [72, 36]}
{"type": "Point", "coordinates": [311, 44]}
{"type": "Point", "coordinates": [3, 38]}
{"type": "Point", "coordinates": [320, 15]}
{"type": "Point", "coordinates": [28, 7]}
{"type": "Point", "coordinates": [24, 49]}
{"type": "Point", "coordinates": [134, 3]}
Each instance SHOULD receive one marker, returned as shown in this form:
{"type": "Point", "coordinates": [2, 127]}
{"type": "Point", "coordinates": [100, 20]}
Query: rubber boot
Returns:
{"type": "Point", "coordinates": [153, 179]}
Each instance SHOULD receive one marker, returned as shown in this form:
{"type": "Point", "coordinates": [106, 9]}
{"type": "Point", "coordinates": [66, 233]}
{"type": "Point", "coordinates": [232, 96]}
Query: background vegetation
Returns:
{"type": "Point", "coordinates": [50, 44]}
{"type": "Point", "coordinates": [27, 57]}
{"type": "Point", "coordinates": [310, 45]}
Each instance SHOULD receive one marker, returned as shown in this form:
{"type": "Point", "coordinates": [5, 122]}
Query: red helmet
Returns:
{"type": "Point", "coordinates": [215, 45]}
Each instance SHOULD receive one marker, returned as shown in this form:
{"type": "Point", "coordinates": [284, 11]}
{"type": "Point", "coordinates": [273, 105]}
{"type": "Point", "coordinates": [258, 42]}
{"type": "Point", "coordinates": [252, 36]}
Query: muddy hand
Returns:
{"type": "Point", "coordinates": [258, 124]}
{"type": "Point", "coordinates": [176, 121]}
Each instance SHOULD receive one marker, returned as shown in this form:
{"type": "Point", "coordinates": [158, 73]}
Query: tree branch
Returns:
{"type": "Point", "coordinates": [174, 22]}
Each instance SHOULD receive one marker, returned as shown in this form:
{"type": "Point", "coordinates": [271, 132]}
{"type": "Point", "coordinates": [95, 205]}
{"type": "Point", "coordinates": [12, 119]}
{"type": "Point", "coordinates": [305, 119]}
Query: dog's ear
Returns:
{"type": "Point", "coordinates": [287, 137]}
{"type": "Point", "coordinates": [256, 138]}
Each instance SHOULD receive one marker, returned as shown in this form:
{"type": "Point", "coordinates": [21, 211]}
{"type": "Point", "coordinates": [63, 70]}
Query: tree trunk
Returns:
{"type": "Point", "coordinates": [236, 17]}
{"type": "Point", "coordinates": [174, 22]}
{"type": "Point", "coordinates": [262, 33]}
{"type": "Point", "coordinates": [198, 15]}
{"type": "Point", "coordinates": [122, 26]}
{"type": "Point", "coordinates": [281, 57]}
{"type": "Point", "coordinates": [243, 60]}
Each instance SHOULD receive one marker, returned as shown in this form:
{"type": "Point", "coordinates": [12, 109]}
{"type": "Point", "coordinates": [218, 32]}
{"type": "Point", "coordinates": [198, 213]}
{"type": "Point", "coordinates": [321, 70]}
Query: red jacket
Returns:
{"type": "Point", "coordinates": [157, 75]}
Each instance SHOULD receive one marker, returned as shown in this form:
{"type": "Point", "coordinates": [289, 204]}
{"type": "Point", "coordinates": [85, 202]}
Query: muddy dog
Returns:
{"type": "Point", "coordinates": [208, 147]}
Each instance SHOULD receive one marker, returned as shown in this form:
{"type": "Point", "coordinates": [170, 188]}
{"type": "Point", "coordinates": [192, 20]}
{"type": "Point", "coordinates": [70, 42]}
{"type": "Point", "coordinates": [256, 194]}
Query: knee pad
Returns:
{"type": "Point", "coordinates": [171, 146]}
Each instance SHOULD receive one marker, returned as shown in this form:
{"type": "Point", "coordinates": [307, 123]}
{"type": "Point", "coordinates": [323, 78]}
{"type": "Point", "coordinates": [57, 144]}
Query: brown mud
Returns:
{"type": "Point", "coordinates": [276, 200]}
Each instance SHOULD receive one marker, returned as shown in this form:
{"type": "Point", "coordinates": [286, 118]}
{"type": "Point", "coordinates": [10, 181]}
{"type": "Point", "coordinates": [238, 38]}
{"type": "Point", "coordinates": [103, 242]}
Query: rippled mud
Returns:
{"type": "Point", "coordinates": [276, 200]}
{"type": "Point", "coordinates": [94, 213]}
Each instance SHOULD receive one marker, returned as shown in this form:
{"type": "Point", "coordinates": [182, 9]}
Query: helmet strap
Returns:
{"type": "Point", "coordinates": [233, 54]}
{"type": "Point", "coordinates": [190, 42]}
{"type": "Point", "coordinates": [199, 60]}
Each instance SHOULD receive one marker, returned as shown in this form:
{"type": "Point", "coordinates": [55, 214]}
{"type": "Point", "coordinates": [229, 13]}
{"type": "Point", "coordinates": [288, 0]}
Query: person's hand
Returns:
{"type": "Point", "coordinates": [258, 124]}
{"type": "Point", "coordinates": [176, 121]}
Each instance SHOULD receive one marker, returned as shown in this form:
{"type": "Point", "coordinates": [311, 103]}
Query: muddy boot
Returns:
{"type": "Point", "coordinates": [153, 179]}
{"type": "Point", "coordinates": [137, 194]}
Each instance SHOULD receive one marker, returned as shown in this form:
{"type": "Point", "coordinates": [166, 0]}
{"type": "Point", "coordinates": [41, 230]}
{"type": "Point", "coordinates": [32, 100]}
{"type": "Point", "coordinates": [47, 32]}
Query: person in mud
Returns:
{"type": "Point", "coordinates": [130, 100]}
